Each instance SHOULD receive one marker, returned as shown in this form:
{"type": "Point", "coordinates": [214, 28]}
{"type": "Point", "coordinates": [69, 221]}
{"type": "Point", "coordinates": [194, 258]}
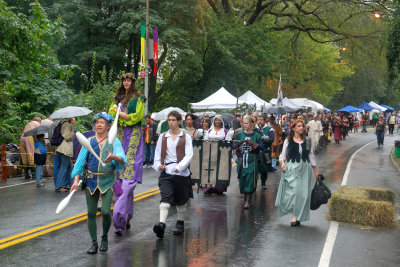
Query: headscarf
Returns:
{"type": "Point", "coordinates": [221, 119]}
{"type": "Point", "coordinates": [103, 115]}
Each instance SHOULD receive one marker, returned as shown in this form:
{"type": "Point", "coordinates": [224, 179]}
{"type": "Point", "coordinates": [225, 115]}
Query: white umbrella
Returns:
{"type": "Point", "coordinates": [70, 112]}
{"type": "Point", "coordinates": [163, 114]}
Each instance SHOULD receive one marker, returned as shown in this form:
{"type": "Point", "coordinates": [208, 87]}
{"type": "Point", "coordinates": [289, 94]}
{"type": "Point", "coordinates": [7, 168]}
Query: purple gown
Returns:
{"type": "Point", "coordinates": [131, 174]}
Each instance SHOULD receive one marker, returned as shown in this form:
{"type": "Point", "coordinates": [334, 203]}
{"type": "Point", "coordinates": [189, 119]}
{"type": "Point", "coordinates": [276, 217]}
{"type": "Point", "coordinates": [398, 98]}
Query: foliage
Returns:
{"type": "Point", "coordinates": [31, 77]}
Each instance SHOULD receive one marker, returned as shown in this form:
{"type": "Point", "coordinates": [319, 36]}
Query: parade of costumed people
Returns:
{"type": "Point", "coordinates": [297, 163]}
{"type": "Point", "coordinates": [100, 179]}
{"type": "Point", "coordinates": [131, 135]}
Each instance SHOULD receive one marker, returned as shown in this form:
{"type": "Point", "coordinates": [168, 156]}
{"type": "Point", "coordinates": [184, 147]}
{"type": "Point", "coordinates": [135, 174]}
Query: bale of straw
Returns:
{"type": "Point", "coordinates": [363, 205]}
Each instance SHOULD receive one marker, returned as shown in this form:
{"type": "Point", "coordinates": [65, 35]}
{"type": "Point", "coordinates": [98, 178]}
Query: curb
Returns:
{"type": "Point", "coordinates": [394, 161]}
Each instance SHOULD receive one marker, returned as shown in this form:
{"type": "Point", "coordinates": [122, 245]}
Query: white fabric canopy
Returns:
{"type": "Point", "coordinates": [250, 98]}
{"type": "Point", "coordinates": [286, 102]}
{"type": "Point", "coordinates": [376, 106]}
{"type": "Point", "coordinates": [221, 99]}
{"type": "Point", "coordinates": [319, 106]}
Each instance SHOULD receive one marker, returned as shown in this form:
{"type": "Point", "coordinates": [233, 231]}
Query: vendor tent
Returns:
{"type": "Point", "coordinates": [286, 102]}
{"type": "Point", "coordinates": [250, 98]}
{"type": "Point", "coordinates": [365, 106]}
{"type": "Point", "coordinates": [376, 106]}
{"type": "Point", "coordinates": [387, 107]}
{"type": "Point", "coordinates": [319, 106]}
{"type": "Point", "coordinates": [350, 109]}
{"type": "Point", "coordinates": [304, 102]}
{"type": "Point", "coordinates": [221, 99]}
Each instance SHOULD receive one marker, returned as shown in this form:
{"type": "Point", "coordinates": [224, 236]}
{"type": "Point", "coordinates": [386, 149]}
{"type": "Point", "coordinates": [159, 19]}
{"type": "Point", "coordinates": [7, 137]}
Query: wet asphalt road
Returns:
{"type": "Point", "coordinates": [218, 231]}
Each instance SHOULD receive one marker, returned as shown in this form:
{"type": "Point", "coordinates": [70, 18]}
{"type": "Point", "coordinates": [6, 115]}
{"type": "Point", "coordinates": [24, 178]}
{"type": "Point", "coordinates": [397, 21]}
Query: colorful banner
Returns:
{"type": "Point", "coordinates": [155, 50]}
{"type": "Point", "coordinates": [142, 64]}
{"type": "Point", "coordinates": [280, 93]}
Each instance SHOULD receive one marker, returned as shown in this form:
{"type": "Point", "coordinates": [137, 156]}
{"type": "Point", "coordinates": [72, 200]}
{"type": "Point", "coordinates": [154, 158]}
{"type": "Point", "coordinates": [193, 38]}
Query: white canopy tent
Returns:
{"type": "Point", "coordinates": [221, 99]}
{"type": "Point", "coordinates": [286, 102]}
{"type": "Point", "coordinates": [319, 106]}
{"type": "Point", "coordinates": [376, 106]}
{"type": "Point", "coordinates": [250, 98]}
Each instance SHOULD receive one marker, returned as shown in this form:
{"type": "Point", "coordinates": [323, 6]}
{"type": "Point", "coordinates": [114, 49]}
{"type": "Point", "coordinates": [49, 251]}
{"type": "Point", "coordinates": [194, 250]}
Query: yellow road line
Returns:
{"type": "Point", "coordinates": [22, 237]}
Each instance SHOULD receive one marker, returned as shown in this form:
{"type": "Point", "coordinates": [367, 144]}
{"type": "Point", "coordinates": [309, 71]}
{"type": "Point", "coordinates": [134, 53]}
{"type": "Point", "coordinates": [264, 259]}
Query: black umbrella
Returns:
{"type": "Point", "coordinates": [42, 129]}
{"type": "Point", "coordinates": [228, 118]}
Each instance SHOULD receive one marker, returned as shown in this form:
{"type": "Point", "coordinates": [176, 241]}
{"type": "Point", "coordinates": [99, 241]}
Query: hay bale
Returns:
{"type": "Point", "coordinates": [363, 205]}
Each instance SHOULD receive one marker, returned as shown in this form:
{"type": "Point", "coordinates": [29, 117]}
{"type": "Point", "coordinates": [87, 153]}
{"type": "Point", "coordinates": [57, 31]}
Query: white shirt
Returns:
{"type": "Point", "coordinates": [283, 155]}
{"type": "Point", "coordinates": [220, 135]}
{"type": "Point", "coordinates": [170, 156]}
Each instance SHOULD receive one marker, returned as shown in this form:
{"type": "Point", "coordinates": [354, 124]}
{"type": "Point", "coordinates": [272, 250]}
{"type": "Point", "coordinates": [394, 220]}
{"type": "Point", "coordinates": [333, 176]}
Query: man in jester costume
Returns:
{"type": "Point", "coordinates": [100, 179]}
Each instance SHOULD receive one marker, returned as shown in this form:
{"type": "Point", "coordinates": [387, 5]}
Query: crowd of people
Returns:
{"type": "Point", "coordinates": [260, 143]}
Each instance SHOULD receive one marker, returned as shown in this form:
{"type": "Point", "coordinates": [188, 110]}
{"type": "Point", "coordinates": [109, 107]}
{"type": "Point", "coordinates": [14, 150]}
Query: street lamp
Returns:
{"type": "Point", "coordinates": [377, 15]}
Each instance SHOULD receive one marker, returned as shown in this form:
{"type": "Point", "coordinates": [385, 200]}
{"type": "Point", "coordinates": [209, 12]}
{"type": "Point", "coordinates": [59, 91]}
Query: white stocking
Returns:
{"type": "Point", "coordinates": [181, 212]}
{"type": "Point", "coordinates": [164, 207]}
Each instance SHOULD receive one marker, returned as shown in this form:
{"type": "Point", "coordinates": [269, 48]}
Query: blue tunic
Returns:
{"type": "Point", "coordinates": [103, 182]}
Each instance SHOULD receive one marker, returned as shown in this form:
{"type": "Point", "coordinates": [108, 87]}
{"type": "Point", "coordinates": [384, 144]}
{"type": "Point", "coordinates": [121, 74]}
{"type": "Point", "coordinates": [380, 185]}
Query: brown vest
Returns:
{"type": "Point", "coordinates": [180, 148]}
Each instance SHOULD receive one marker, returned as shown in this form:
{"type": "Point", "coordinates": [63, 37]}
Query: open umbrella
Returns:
{"type": "Point", "coordinates": [42, 129]}
{"type": "Point", "coordinates": [278, 110]}
{"type": "Point", "coordinates": [70, 112]}
{"type": "Point", "coordinates": [163, 114]}
{"type": "Point", "coordinates": [228, 118]}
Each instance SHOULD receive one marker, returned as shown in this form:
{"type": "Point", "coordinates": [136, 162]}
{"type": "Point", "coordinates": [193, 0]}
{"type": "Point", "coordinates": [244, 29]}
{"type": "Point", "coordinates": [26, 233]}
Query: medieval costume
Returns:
{"type": "Point", "coordinates": [100, 181]}
{"type": "Point", "coordinates": [314, 132]}
{"type": "Point", "coordinates": [175, 187]}
{"type": "Point", "coordinates": [130, 132]}
{"type": "Point", "coordinates": [247, 167]}
{"type": "Point", "coordinates": [294, 193]}
{"type": "Point", "coordinates": [215, 135]}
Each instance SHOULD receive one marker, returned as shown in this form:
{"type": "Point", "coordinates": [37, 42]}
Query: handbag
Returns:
{"type": "Point", "coordinates": [320, 193]}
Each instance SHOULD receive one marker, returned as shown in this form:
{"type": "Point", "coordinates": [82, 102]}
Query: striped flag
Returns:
{"type": "Point", "coordinates": [280, 94]}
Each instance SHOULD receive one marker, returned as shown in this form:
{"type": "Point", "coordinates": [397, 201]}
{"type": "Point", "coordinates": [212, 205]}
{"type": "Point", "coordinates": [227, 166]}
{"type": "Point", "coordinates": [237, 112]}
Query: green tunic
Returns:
{"type": "Point", "coordinates": [247, 165]}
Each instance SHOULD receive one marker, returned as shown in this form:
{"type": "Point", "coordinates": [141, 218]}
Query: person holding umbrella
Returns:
{"type": "Point", "coordinates": [27, 146]}
{"type": "Point", "coordinates": [39, 158]}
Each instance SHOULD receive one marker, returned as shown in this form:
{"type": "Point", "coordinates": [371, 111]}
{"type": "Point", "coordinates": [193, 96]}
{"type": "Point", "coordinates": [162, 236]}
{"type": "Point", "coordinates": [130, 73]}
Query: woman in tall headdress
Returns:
{"type": "Point", "coordinates": [130, 133]}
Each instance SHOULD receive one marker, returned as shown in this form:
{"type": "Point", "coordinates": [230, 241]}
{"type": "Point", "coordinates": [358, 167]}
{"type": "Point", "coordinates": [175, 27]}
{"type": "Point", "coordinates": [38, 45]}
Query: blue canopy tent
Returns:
{"type": "Point", "coordinates": [365, 106]}
{"type": "Point", "coordinates": [350, 108]}
{"type": "Point", "coordinates": [388, 108]}
{"type": "Point", "coordinates": [326, 110]}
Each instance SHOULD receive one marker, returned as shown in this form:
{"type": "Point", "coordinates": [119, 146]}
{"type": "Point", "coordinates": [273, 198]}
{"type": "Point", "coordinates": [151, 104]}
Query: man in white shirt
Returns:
{"type": "Point", "coordinates": [173, 154]}
{"type": "Point", "coordinates": [314, 132]}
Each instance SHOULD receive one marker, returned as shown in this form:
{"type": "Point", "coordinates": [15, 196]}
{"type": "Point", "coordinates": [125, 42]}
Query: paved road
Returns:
{"type": "Point", "coordinates": [218, 232]}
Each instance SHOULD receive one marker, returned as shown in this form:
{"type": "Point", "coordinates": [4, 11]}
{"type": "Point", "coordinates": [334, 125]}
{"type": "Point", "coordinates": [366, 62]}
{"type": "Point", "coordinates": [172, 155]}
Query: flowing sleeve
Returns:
{"type": "Point", "coordinates": [80, 163]}
{"type": "Point", "coordinates": [119, 151]}
{"type": "Point", "coordinates": [135, 118]}
{"type": "Point", "coordinates": [157, 154]}
{"type": "Point", "coordinates": [283, 155]}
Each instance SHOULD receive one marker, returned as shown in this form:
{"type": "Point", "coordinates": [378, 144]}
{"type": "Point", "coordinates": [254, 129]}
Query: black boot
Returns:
{"type": "Point", "coordinates": [104, 244]}
{"type": "Point", "coordinates": [179, 228]}
{"type": "Point", "coordinates": [159, 229]}
{"type": "Point", "coordinates": [93, 248]}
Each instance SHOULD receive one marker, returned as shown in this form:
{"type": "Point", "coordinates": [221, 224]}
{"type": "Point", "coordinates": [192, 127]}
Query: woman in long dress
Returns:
{"type": "Point", "coordinates": [247, 150]}
{"type": "Point", "coordinates": [297, 162]}
{"type": "Point", "coordinates": [130, 133]}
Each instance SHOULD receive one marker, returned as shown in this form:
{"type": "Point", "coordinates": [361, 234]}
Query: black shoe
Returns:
{"type": "Point", "coordinates": [179, 228]}
{"type": "Point", "coordinates": [104, 244]}
{"type": "Point", "coordinates": [93, 248]}
{"type": "Point", "coordinates": [272, 169]}
{"type": "Point", "coordinates": [159, 229]}
{"type": "Point", "coordinates": [294, 224]}
{"type": "Point", "coordinates": [128, 225]}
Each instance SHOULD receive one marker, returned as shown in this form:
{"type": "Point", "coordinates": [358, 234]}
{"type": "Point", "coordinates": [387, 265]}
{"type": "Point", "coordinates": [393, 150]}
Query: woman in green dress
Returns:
{"type": "Point", "coordinates": [247, 150]}
{"type": "Point", "coordinates": [297, 162]}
